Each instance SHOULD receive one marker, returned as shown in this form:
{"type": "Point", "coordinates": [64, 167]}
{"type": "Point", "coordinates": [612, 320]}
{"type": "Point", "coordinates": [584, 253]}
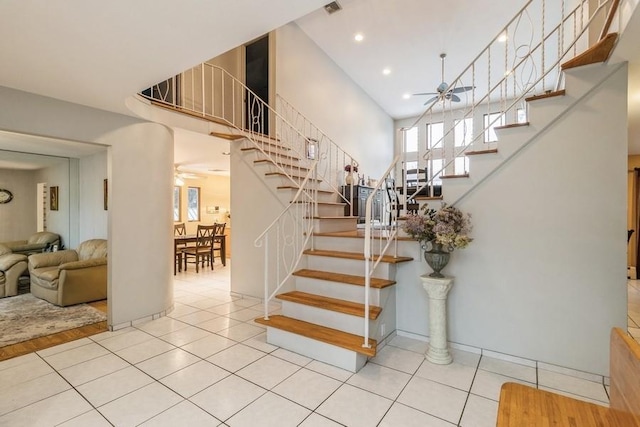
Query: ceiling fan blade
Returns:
{"type": "Point", "coordinates": [462, 89]}
{"type": "Point", "coordinates": [455, 98]}
{"type": "Point", "coordinates": [426, 93]}
{"type": "Point", "coordinates": [431, 100]}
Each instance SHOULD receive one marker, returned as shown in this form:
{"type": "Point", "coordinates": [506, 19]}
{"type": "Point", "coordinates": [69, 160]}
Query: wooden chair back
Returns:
{"type": "Point", "coordinates": [205, 236]}
{"type": "Point", "coordinates": [179, 229]}
{"type": "Point", "coordinates": [625, 374]}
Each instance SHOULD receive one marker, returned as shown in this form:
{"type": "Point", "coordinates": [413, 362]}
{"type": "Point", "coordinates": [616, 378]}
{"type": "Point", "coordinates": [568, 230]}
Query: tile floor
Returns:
{"type": "Point", "coordinates": [207, 364]}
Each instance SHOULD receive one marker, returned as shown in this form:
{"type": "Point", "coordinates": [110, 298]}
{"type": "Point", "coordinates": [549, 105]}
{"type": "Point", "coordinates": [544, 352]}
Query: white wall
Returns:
{"type": "Point", "coordinates": [308, 79]}
{"type": "Point", "coordinates": [545, 278]}
{"type": "Point", "coordinates": [18, 217]}
{"type": "Point", "coordinates": [92, 216]}
{"type": "Point", "coordinates": [140, 165]}
{"type": "Point", "coordinates": [58, 222]}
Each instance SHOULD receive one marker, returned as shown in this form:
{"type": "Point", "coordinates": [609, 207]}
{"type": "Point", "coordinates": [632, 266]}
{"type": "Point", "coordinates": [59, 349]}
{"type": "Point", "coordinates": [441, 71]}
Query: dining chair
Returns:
{"type": "Point", "coordinates": [179, 230]}
{"type": "Point", "coordinates": [203, 250]}
{"type": "Point", "coordinates": [217, 242]}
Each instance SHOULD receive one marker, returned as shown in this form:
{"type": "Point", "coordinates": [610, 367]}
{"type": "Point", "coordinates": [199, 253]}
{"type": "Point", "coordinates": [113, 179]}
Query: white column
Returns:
{"type": "Point", "coordinates": [437, 290]}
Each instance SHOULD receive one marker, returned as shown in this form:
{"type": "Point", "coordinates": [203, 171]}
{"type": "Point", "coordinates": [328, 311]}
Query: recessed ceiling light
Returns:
{"type": "Point", "coordinates": [502, 37]}
{"type": "Point", "coordinates": [386, 71]}
{"type": "Point", "coordinates": [406, 96]}
{"type": "Point", "coordinates": [358, 37]}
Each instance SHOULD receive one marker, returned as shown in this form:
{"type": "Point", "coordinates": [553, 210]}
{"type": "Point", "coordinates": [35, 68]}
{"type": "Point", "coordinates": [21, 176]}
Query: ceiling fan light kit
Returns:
{"type": "Point", "coordinates": [443, 93]}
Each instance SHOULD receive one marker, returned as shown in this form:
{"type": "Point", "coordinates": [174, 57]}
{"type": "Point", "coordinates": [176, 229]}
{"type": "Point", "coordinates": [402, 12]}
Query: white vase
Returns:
{"type": "Point", "coordinates": [349, 180]}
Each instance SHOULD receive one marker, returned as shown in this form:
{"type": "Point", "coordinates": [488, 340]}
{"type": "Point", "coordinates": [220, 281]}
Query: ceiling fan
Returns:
{"type": "Point", "coordinates": [179, 175]}
{"type": "Point", "coordinates": [443, 92]}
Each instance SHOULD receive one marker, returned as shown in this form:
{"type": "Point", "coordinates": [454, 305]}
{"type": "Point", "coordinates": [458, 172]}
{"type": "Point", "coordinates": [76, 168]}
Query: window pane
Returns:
{"type": "Point", "coordinates": [436, 166]}
{"type": "Point", "coordinates": [176, 204]}
{"type": "Point", "coordinates": [461, 165]}
{"type": "Point", "coordinates": [463, 132]}
{"type": "Point", "coordinates": [411, 140]}
{"type": "Point", "coordinates": [193, 206]}
{"type": "Point", "coordinates": [490, 133]}
{"type": "Point", "coordinates": [435, 132]}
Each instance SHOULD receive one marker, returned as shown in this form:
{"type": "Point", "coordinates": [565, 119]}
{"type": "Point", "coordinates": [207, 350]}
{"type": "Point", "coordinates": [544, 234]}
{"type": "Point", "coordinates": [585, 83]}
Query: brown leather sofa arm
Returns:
{"type": "Point", "coordinates": [9, 260]}
{"type": "Point", "coordinates": [75, 265]}
{"type": "Point", "coordinates": [50, 259]}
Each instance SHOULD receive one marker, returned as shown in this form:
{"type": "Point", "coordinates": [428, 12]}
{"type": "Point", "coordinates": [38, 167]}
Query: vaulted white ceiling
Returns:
{"type": "Point", "coordinates": [99, 53]}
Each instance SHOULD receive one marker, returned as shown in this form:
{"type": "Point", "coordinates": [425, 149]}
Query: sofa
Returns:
{"type": "Point", "coordinates": [12, 266]}
{"type": "Point", "coordinates": [37, 242]}
{"type": "Point", "coordinates": [70, 276]}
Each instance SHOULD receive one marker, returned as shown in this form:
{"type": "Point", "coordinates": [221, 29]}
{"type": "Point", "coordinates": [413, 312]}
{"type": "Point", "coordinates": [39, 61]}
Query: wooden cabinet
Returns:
{"type": "Point", "coordinates": [360, 195]}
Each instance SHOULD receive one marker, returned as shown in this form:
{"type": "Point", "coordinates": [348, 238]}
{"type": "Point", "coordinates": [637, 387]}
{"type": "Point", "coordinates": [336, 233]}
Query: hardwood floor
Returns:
{"type": "Point", "coordinates": [47, 341]}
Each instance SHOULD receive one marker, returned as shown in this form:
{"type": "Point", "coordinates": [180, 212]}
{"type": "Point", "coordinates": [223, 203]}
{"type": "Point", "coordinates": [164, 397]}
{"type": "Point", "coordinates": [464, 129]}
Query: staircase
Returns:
{"type": "Point", "coordinates": [323, 316]}
{"type": "Point", "coordinates": [337, 282]}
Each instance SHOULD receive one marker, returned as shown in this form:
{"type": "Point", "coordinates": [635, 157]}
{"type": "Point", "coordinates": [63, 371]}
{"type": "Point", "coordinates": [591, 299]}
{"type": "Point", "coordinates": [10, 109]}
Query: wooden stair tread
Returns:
{"type": "Point", "coordinates": [292, 176]}
{"type": "Point", "coordinates": [512, 125]}
{"type": "Point", "coordinates": [266, 144]}
{"type": "Point", "coordinates": [324, 203]}
{"type": "Point", "coordinates": [284, 165]}
{"type": "Point", "coordinates": [272, 153]}
{"type": "Point", "coordinates": [291, 187]}
{"type": "Point", "coordinates": [355, 256]}
{"type": "Point", "coordinates": [320, 333]}
{"type": "Point", "coordinates": [356, 234]}
{"type": "Point", "coordinates": [332, 217]}
{"type": "Point", "coordinates": [478, 152]}
{"type": "Point", "coordinates": [546, 95]}
{"type": "Point", "coordinates": [331, 304]}
{"type": "Point", "coordinates": [427, 198]}
{"type": "Point", "coordinates": [343, 278]}
{"type": "Point", "coordinates": [462, 175]}
{"type": "Point", "coordinates": [229, 136]}
{"type": "Point", "coordinates": [599, 52]}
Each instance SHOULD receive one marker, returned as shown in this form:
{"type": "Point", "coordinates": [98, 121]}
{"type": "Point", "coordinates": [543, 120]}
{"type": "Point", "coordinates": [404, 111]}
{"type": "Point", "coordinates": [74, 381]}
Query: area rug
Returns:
{"type": "Point", "coordinates": [25, 317]}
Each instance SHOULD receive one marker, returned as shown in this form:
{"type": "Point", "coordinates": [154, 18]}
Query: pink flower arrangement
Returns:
{"type": "Point", "coordinates": [447, 226]}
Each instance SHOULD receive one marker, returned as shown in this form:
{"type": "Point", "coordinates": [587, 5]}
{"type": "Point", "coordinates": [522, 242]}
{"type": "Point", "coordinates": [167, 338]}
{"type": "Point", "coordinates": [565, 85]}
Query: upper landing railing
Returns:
{"type": "Point", "coordinates": [523, 59]}
{"type": "Point", "coordinates": [298, 150]}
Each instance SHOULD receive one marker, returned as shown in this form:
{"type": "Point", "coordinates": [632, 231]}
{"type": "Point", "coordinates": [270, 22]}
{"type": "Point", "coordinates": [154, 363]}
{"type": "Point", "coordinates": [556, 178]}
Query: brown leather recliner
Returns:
{"type": "Point", "coordinates": [12, 266]}
{"type": "Point", "coordinates": [71, 277]}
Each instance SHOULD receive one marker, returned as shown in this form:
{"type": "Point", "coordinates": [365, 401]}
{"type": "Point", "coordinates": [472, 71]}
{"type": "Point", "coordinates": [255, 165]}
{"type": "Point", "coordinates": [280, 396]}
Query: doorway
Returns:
{"type": "Point", "coordinates": [257, 80]}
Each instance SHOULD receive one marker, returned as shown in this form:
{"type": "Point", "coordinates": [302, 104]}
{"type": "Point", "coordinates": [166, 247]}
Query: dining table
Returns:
{"type": "Point", "coordinates": [192, 238]}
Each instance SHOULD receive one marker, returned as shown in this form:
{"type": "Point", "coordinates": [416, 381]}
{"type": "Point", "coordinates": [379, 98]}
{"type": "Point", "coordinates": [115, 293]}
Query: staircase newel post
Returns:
{"type": "Point", "coordinates": [266, 277]}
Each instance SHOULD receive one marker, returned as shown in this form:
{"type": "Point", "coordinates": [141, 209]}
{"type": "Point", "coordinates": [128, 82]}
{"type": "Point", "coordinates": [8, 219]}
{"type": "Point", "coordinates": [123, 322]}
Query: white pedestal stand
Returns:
{"type": "Point", "coordinates": [437, 290]}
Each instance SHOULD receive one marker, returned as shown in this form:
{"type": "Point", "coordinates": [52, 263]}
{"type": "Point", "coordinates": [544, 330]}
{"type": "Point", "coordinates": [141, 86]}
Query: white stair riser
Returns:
{"type": "Point", "coordinates": [329, 225]}
{"type": "Point", "coordinates": [346, 244]}
{"type": "Point", "coordinates": [330, 210]}
{"type": "Point", "coordinates": [282, 180]}
{"type": "Point", "coordinates": [267, 167]}
{"type": "Point", "coordinates": [327, 353]}
{"type": "Point", "coordinates": [322, 197]}
{"type": "Point", "coordinates": [330, 319]}
{"type": "Point", "coordinates": [337, 290]}
{"type": "Point", "coordinates": [348, 266]}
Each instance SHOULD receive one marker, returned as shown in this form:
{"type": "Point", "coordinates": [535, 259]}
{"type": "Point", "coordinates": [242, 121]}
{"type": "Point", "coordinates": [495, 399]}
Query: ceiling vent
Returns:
{"type": "Point", "coordinates": [332, 7]}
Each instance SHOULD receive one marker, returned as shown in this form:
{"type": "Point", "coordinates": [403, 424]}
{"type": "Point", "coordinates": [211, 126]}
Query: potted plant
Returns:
{"type": "Point", "coordinates": [439, 233]}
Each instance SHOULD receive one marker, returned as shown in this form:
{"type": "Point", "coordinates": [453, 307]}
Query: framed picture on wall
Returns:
{"type": "Point", "coordinates": [53, 198]}
{"type": "Point", "coordinates": [105, 186]}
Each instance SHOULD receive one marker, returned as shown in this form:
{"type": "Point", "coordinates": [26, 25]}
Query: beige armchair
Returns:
{"type": "Point", "coordinates": [71, 277]}
{"type": "Point", "coordinates": [12, 266]}
{"type": "Point", "coordinates": [37, 242]}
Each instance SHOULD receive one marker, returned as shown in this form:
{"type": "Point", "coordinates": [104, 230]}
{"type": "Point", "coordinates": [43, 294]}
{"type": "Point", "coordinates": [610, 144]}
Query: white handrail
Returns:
{"type": "Point", "coordinates": [384, 238]}
{"type": "Point", "coordinates": [212, 93]}
{"type": "Point", "coordinates": [508, 90]}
